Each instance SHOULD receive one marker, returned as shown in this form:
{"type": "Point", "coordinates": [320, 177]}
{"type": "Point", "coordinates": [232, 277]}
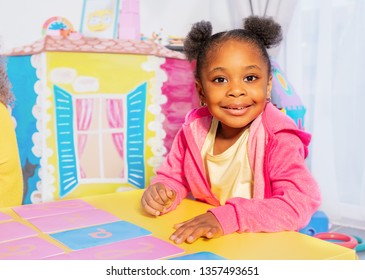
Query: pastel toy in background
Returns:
{"type": "Point", "coordinates": [318, 223]}
{"type": "Point", "coordinates": [284, 96]}
{"type": "Point", "coordinates": [54, 25]}
{"type": "Point", "coordinates": [345, 240]}
{"type": "Point", "coordinates": [59, 26]}
{"type": "Point", "coordinates": [100, 18]}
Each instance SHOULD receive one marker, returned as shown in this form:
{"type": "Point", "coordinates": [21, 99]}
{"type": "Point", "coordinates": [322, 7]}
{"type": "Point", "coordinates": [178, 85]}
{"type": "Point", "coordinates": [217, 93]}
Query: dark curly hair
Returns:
{"type": "Point", "coordinates": [261, 32]}
{"type": "Point", "coordinates": [6, 97]}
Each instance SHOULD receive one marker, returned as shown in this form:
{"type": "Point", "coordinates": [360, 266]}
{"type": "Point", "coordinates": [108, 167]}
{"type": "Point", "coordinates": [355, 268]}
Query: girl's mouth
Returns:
{"type": "Point", "coordinates": [236, 110]}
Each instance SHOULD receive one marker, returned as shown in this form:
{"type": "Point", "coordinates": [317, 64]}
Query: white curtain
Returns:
{"type": "Point", "coordinates": [324, 59]}
{"type": "Point", "coordinates": [280, 10]}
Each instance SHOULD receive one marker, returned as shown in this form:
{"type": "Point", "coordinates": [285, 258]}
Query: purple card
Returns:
{"type": "Point", "coordinates": [4, 217]}
{"type": "Point", "coordinates": [142, 248]}
{"type": "Point", "coordinates": [32, 248]}
{"type": "Point", "coordinates": [62, 222]}
{"type": "Point", "coordinates": [51, 208]}
{"type": "Point", "coordinates": [15, 230]}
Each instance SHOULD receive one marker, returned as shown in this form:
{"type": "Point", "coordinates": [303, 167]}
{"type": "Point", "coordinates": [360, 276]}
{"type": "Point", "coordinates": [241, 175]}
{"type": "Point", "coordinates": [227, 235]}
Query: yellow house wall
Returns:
{"type": "Point", "coordinates": [116, 73]}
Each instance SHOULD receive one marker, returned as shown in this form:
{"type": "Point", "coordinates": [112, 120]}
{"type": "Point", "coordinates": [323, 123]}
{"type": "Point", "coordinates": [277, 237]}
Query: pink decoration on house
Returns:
{"type": "Point", "coordinates": [182, 96]}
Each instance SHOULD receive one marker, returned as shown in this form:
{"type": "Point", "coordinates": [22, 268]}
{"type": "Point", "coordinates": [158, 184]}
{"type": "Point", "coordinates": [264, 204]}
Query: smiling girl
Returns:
{"type": "Point", "coordinates": [237, 152]}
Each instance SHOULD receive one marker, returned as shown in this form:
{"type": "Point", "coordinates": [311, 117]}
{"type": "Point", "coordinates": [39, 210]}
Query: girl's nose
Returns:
{"type": "Point", "coordinates": [236, 90]}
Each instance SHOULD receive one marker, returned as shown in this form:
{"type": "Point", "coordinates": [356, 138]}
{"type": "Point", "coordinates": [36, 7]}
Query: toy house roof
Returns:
{"type": "Point", "coordinates": [95, 45]}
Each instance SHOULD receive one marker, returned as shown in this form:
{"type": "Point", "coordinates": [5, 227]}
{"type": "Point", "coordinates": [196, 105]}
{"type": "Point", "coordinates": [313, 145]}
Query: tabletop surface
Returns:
{"type": "Point", "coordinates": [264, 246]}
{"type": "Point", "coordinates": [249, 246]}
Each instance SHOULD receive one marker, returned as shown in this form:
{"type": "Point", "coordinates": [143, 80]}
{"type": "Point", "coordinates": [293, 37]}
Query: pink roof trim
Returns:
{"type": "Point", "coordinates": [95, 45]}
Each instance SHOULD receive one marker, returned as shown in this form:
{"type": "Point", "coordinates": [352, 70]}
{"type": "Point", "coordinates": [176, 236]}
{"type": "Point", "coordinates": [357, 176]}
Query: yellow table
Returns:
{"type": "Point", "coordinates": [253, 246]}
{"type": "Point", "coordinates": [250, 246]}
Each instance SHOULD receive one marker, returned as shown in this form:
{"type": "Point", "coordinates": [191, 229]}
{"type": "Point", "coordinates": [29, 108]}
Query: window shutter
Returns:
{"type": "Point", "coordinates": [65, 141]}
{"type": "Point", "coordinates": [136, 102]}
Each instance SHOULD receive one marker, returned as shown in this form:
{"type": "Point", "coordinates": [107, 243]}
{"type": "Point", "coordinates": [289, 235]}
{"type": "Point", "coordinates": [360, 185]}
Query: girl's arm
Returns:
{"type": "Point", "coordinates": [171, 173]}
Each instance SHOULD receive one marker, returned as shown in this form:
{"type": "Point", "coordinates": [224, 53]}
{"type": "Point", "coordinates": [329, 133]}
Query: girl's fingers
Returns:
{"type": "Point", "coordinates": [204, 225]}
{"type": "Point", "coordinates": [151, 206]}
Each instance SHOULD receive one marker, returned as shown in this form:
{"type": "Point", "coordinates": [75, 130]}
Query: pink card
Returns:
{"type": "Point", "coordinates": [32, 248]}
{"type": "Point", "coordinates": [49, 224]}
{"type": "Point", "coordinates": [4, 217]}
{"type": "Point", "coordinates": [51, 208]}
{"type": "Point", "coordinates": [141, 248]}
{"type": "Point", "coordinates": [15, 230]}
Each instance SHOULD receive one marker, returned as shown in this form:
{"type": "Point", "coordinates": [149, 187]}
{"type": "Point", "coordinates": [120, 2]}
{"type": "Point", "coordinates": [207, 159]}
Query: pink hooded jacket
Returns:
{"type": "Point", "coordinates": [285, 195]}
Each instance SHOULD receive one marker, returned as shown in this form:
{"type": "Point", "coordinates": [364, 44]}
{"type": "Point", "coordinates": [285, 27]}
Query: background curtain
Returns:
{"type": "Point", "coordinates": [280, 10]}
{"type": "Point", "coordinates": [323, 56]}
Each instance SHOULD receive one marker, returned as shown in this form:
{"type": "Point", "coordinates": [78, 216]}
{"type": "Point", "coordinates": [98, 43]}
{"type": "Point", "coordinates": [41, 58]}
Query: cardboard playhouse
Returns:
{"type": "Point", "coordinates": [96, 114]}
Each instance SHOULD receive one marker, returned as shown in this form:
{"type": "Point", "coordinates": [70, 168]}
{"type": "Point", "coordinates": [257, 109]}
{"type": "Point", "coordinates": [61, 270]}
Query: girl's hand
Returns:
{"type": "Point", "coordinates": [157, 198]}
{"type": "Point", "coordinates": [205, 225]}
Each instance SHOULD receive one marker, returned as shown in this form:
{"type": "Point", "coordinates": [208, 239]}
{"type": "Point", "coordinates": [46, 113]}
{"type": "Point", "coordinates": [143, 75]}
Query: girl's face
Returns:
{"type": "Point", "coordinates": [234, 84]}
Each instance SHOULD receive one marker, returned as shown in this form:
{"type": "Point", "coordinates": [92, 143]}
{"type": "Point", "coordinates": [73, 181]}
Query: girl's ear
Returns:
{"type": "Point", "coordinates": [200, 92]}
{"type": "Point", "coordinates": [269, 88]}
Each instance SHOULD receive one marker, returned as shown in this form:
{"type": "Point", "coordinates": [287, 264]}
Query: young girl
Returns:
{"type": "Point", "coordinates": [238, 152]}
{"type": "Point", "coordinates": [11, 179]}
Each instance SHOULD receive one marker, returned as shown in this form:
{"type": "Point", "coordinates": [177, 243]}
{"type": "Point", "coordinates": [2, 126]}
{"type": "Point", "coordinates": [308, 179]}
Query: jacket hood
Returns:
{"type": "Point", "coordinates": [276, 121]}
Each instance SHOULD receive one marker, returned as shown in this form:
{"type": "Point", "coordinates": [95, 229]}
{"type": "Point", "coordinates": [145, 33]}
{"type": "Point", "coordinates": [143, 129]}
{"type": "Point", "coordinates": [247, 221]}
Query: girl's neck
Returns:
{"type": "Point", "coordinates": [226, 137]}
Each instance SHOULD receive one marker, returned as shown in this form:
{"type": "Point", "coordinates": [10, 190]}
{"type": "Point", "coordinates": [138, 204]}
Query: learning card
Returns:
{"type": "Point", "coordinates": [99, 235]}
{"type": "Point", "coordinates": [51, 208]}
{"type": "Point", "coordinates": [200, 256]}
{"type": "Point", "coordinates": [32, 248]}
{"type": "Point", "coordinates": [62, 222]}
{"type": "Point", "coordinates": [4, 217]}
{"type": "Point", "coordinates": [141, 248]}
{"type": "Point", "coordinates": [14, 230]}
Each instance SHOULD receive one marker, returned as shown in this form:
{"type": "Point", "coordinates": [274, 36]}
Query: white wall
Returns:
{"type": "Point", "coordinates": [21, 21]}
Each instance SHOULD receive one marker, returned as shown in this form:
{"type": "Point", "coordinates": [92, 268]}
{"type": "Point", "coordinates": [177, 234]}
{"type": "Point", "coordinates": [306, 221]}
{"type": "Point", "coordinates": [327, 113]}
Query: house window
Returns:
{"type": "Point", "coordinates": [100, 138]}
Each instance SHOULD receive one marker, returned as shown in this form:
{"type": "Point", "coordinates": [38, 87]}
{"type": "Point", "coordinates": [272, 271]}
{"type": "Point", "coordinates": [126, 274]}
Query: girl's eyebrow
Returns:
{"type": "Point", "coordinates": [249, 67]}
{"type": "Point", "coordinates": [253, 67]}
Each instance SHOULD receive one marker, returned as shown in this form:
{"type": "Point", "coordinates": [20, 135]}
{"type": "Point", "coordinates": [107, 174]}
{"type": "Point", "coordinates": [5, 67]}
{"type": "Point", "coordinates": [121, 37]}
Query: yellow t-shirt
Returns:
{"type": "Point", "coordinates": [228, 173]}
{"type": "Point", "coordinates": [11, 178]}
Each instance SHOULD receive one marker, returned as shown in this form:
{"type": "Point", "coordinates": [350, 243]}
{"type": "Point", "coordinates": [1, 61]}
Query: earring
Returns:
{"type": "Point", "coordinates": [202, 103]}
{"type": "Point", "coordinates": [268, 99]}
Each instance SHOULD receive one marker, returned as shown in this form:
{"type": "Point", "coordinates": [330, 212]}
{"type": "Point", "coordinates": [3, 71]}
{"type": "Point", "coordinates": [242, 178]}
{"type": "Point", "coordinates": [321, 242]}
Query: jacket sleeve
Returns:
{"type": "Point", "coordinates": [171, 173]}
{"type": "Point", "coordinates": [295, 193]}
{"type": "Point", "coordinates": [11, 178]}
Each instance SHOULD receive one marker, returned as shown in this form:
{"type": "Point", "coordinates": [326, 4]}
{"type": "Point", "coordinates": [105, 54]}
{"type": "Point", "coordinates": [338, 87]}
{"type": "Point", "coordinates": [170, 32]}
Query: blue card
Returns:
{"type": "Point", "coordinates": [99, 235]}
{"type": "Point", "coordinates": [200, 256]}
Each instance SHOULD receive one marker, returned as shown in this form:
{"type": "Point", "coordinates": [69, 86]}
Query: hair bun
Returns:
{"type": "Point", "coordinates": [265, 29]}
{"type": "Point", "coordinates": [198, 35]}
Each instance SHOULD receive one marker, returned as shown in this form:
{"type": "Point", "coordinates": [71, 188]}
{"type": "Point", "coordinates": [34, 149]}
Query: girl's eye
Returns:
{"type": "Point", "coordinates": [250, 78]}
{"type": "Point", "coordinates": [220, 80]}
